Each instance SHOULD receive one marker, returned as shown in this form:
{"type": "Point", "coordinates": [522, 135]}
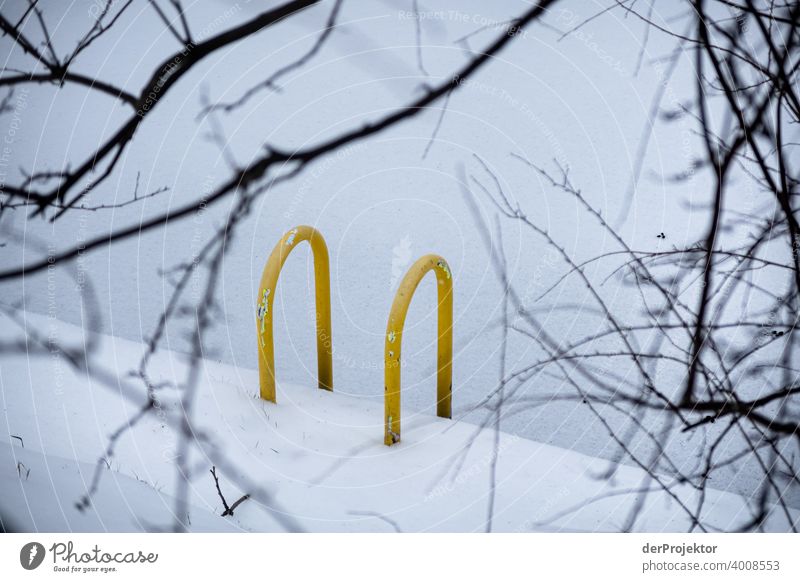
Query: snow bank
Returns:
{"type": "Point", "coordinates": [320, 454]}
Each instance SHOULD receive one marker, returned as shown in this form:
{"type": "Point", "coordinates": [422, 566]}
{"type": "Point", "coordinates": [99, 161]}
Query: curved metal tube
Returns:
{"type": "Point", "coordinates": [394, 338]}
{"type": "Point", "coordinates": [266, 296]}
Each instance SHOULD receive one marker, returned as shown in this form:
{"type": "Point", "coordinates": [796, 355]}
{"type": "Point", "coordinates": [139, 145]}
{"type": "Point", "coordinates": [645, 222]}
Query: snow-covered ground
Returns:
{"type": "Point", "coordinates": [318, 456]}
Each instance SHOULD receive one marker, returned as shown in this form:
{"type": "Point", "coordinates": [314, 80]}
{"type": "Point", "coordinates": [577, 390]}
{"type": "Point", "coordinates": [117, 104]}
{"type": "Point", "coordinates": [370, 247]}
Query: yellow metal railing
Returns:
{"type": "Point", "coordinates": [265, 301]}
{"type": "Point", "coordinates": [394, 338]}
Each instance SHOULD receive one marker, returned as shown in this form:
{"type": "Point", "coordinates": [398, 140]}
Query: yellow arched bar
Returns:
{"type": "Point", "coordinates": [394, 339]}
{"type": "Point", "coordinates": [264, 308]}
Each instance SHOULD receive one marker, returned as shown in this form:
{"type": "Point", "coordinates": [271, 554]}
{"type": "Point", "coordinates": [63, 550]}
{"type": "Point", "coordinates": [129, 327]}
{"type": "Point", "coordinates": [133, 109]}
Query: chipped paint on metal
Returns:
{"type": "Point", "coordinates": [266, 293]}
{"type": "Point", "coordinates": [395, 436]}
{"type": "Point", "coordinates": [444, 267]}
{"type": "Point", "coordinates": [391, 336]}
{"type": "Point", "coordinates": [262, 309]}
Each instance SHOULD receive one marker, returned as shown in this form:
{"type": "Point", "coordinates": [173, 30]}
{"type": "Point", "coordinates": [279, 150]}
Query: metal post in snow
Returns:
{"type": "Point", "coordinates": [265, 301]}
{"type": "Point", "coordinates": [394, 338]}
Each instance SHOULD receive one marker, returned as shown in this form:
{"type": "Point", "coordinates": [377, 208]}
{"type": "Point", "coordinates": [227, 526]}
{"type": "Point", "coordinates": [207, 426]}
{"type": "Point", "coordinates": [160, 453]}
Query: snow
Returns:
{"type": "Point", "coordinates": [320, 454]}
{"type": "Point", "coordinates": [46, 498]}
